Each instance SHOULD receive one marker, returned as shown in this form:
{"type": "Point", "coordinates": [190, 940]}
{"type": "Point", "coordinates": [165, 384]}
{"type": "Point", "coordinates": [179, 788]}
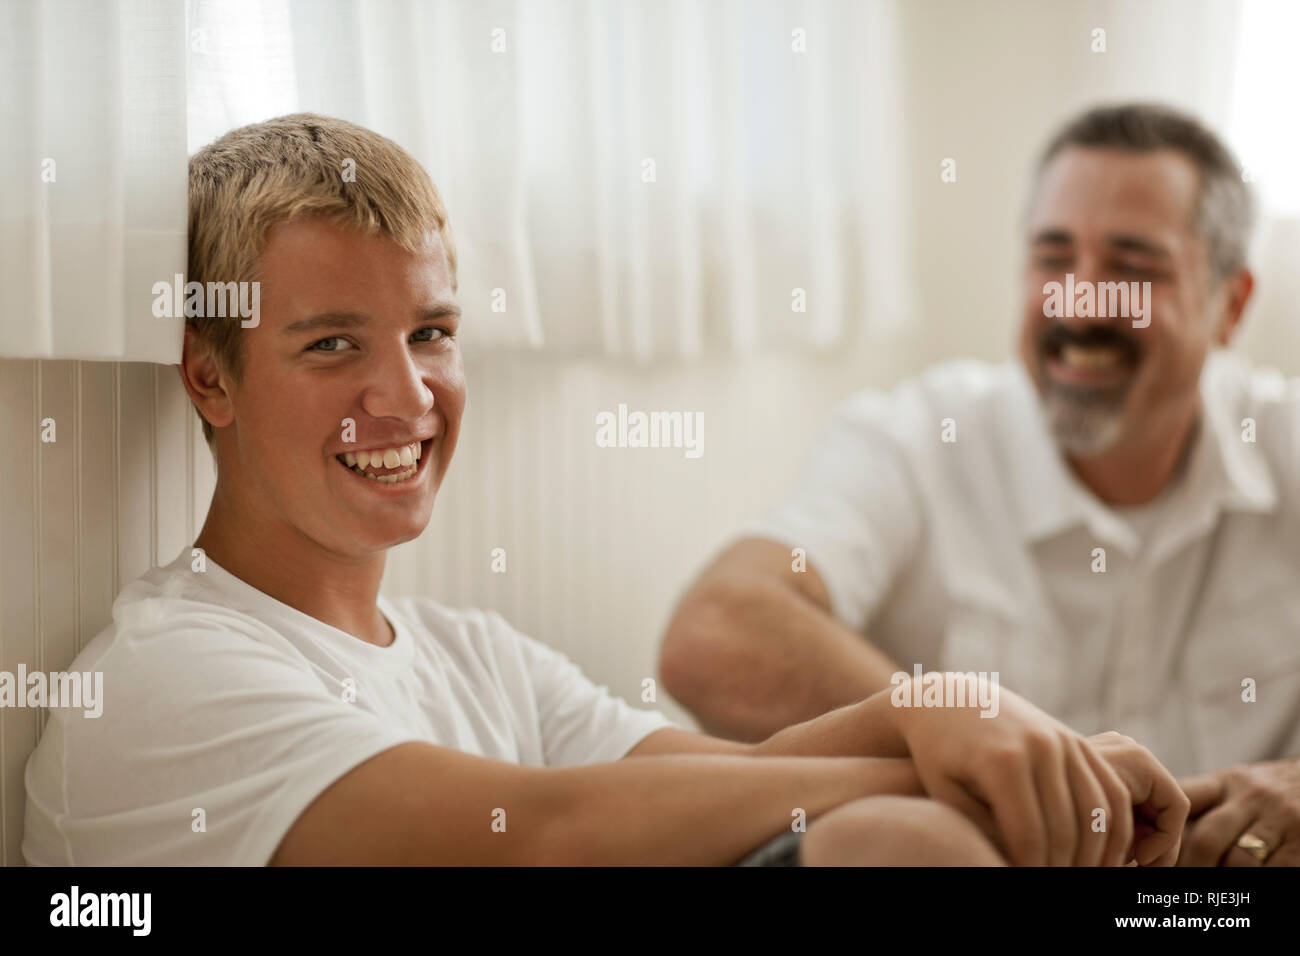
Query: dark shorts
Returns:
{"type": "Point", "coordinates": [781, 850]}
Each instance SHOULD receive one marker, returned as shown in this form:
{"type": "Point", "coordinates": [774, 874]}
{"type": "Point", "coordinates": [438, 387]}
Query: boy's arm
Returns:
{"type": "Point", "coordinates": [1019, 775]}
{"type": "Point", "coordinates": [856, 730]}
{"type": "Point", "coordinates": [425, 805]}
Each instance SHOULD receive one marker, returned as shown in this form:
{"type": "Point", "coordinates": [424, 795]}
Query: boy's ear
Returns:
{"type": "Point", "coordinates": [204, 381]}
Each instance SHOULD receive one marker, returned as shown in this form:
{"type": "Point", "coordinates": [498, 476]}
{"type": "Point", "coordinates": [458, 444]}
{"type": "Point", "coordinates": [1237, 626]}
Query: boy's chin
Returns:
{"type": "Point", "coordinates": [377, 540]}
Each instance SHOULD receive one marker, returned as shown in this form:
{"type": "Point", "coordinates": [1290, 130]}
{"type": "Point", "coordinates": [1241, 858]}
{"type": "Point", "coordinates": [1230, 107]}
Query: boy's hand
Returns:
{"type": "Point", "coordinates": [1032, 784]}
{"type": "Point", "coordinates": [1160, 807]}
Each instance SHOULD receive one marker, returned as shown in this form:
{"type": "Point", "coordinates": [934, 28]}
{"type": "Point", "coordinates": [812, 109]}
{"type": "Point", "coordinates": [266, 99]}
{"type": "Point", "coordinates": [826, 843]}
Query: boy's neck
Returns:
{"type": "Point", "coordinates": [337, 590]}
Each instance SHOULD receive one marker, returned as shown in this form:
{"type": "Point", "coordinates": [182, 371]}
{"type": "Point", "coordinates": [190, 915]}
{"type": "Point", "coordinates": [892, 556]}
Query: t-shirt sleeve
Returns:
{"type": "Point", "coordinates": [854, 509]}
{"type": "Point", "coordinates": [580, 722]}
{"type": "Point", "coordinates": [211, 744]}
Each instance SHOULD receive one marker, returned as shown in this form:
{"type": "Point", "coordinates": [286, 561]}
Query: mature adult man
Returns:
{"type": "Point", "coordinates": [266, 705]}
{"type": "Point", "coordinates": [1111, 523]}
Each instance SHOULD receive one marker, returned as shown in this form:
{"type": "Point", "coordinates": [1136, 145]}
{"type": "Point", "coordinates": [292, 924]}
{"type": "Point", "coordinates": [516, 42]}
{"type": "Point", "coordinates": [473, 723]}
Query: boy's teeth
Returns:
{"type": "Point", "coordinates": [390, 479]}
{"type": "Point", "coordinates": [404, 457]}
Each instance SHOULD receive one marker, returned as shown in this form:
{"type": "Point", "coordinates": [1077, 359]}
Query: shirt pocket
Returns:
{"type": "Point", "coordinates": [1256, 636]}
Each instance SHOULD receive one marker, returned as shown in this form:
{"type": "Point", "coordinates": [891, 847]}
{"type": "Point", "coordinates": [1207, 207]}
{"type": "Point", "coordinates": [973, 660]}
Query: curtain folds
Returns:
{"type": "Point", "coordinates": [642, 180]}
{"type": "Point", "coordinates": [92, 162]}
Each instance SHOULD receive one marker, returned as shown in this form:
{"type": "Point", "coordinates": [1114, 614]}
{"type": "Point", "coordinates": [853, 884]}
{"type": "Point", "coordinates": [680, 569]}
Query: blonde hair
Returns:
{"type": "Point", "coordinates": [294, 167]}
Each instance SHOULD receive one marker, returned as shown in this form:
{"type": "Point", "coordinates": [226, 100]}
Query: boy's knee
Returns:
{"type": "Point", "coordinates": [896, 831]}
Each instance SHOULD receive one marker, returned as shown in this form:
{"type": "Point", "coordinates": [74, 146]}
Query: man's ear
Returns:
{"type": "Point", "coordinates": [1238, 290]}
{"type": "Point", "coordinates": [204, 381]}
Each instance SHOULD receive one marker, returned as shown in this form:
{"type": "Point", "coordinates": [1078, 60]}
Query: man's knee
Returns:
{"type": "Point", "coordinates": [896, 831]}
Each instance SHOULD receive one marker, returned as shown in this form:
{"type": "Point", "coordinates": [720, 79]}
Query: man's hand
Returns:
{"type": "Point", "coordinates": [1260, 799]}
{"type": "Point", "coordinates": [1028, 781]}
{"type": "Point", "coordinates": [1160, 807]}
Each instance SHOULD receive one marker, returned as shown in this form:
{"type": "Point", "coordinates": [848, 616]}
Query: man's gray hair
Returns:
{"type": "Point", "coordinates": [1225, 207]}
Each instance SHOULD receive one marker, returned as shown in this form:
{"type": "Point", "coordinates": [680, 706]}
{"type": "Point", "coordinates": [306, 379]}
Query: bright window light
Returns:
{"type": "Point", "coordinates": [1263, 125]}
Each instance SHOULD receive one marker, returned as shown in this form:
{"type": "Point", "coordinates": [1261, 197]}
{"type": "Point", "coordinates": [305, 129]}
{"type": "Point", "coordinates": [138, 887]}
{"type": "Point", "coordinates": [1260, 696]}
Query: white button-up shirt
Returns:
{"type": "Point", "coordinates": [950, 531]}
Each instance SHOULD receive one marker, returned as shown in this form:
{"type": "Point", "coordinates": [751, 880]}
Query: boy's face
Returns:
{"type": "Point", "coordinates": [352, 327]}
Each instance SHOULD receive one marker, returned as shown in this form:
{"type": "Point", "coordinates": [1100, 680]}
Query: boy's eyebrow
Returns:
{"type": "Point", "coordinates": [351, 320]}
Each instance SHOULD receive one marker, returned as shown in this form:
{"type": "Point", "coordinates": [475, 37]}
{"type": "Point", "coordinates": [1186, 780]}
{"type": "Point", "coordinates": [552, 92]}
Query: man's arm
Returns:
{"type": "Point", "coordinates": [425, 805]}
{"type": "Point", "coordinates": [753, 647]}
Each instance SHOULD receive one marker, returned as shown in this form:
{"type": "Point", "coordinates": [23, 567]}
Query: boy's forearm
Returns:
{"type": "Point", "coordinates": [695, 809]}
{"type": "Point", "coordinates": [864, 729]}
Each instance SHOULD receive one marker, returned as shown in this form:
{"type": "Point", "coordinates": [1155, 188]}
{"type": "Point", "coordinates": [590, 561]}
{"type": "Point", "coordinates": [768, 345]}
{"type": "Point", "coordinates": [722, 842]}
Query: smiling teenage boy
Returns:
{"type": "Point", "coordinates": [265, 704]}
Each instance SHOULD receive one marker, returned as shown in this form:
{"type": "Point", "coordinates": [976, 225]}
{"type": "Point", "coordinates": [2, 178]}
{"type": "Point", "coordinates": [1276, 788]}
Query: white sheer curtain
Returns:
{"type": "Point", "coordinates": [637, 179]}
{"type": "Point", "coordinates": [92, 175]}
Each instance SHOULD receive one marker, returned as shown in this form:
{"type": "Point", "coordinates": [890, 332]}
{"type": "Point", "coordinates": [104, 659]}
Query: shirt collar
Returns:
{"type": "Point", "coordinates": [1247, 479]}
{"type": "Point", "coordinates": [1223, 472]}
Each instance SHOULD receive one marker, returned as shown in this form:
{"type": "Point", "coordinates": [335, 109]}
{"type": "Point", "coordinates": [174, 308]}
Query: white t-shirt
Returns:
{"type": "Point", "coordinates": [1177, 624]}
{"type": "Point", "coordinates": [219, 698]}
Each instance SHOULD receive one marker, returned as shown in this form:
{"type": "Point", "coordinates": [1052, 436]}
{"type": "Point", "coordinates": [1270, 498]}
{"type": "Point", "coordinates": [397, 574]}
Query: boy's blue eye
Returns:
{"type": "Point", "coordinates": [317, 345]}
{"type": "Point", "coordinates": [332, 338]}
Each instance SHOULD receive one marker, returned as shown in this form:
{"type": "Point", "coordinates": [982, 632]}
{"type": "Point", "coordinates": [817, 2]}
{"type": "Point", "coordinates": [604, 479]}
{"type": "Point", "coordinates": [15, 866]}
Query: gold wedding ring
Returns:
{"type": "Point", "coordinates": [1254, 846]}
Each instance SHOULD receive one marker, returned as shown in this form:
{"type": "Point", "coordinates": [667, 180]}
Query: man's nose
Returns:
{"type": "Point", "coordinates": [1090, 274]}
{"type": "Point", "coordinates": [396, 387]}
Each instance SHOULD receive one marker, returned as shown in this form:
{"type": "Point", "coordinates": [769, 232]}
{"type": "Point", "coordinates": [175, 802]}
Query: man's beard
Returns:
{"type": "Point", "coordinates": [1084, 421]}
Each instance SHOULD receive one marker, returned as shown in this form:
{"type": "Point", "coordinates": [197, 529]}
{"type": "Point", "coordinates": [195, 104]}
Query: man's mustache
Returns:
{"type": "Point", "coordinates": [1058, 335]}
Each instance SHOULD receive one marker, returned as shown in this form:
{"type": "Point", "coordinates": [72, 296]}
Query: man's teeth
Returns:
{"type": "Point", "coordinates": [1092, 357]}
{"type": "Point", "coordinates": [403, 456]}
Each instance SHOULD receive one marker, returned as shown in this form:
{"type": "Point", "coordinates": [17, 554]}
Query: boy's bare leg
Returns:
{"type": "Point", "coordinates": [896, 831]}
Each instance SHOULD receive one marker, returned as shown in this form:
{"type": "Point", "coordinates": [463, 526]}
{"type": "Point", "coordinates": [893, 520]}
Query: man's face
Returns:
{"type": "Point", "coordinates": [1109, 216]}
{"type": "Point", "coordinates": [352, 327]}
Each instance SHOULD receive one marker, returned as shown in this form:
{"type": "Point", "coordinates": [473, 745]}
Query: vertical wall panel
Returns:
{"type": "Point", "coordinates": [136, 483]}
{"type": "Point", "coordinates": [172, 463]}
{"type": "Point", "coordinates": [18, 599]}
{"type": "Point", "coordinates": [96, 439]}
{"type": "Point", "coordinates": [56, 496]}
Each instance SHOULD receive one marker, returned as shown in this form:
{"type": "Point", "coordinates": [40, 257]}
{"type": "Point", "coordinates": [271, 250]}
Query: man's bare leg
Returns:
{"type": "Point", "coordinates": [896, 831]}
